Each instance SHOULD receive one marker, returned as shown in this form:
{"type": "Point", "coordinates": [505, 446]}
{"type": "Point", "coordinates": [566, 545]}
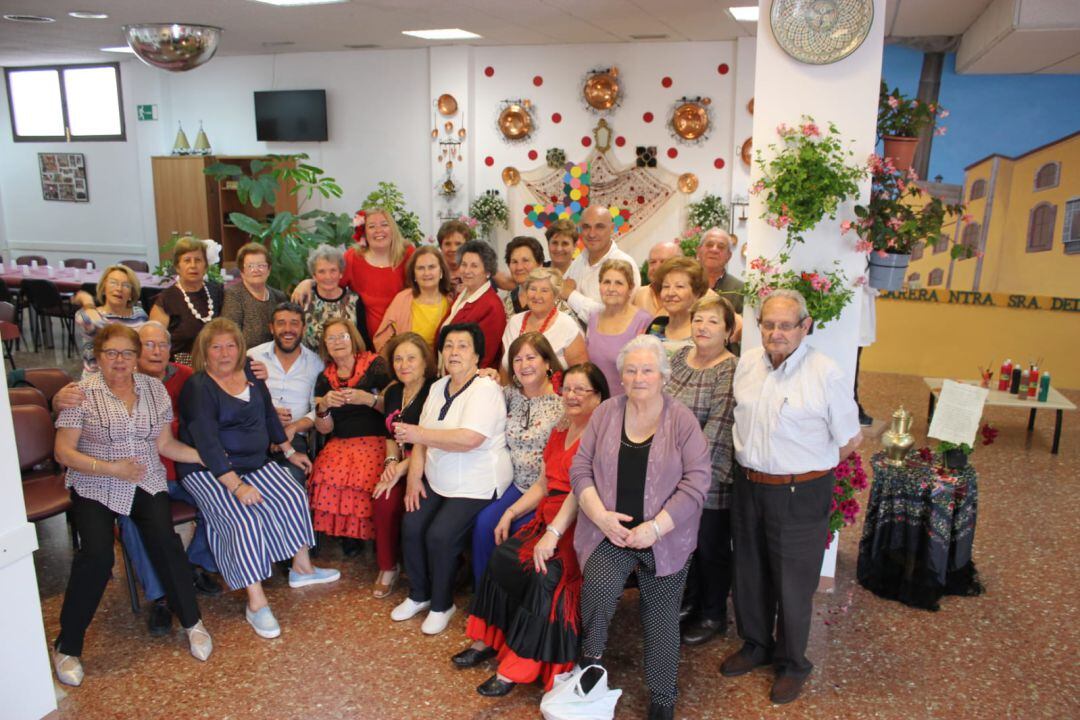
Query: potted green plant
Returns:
{"type": "Point", "coordinates": [810, 174]}
{"type": "Point", "coordinates": [826, 293]}
{"type": "Point", "coordinates": [489, 209]}
{"type": "Point", "coordinates": [900, 216]}
{"type": "Point", "coordinates": [386, 195]}
{"type": "Point", "coordinates": [708, 212]}
{"type": "Point", "coordinates": [900, 120]}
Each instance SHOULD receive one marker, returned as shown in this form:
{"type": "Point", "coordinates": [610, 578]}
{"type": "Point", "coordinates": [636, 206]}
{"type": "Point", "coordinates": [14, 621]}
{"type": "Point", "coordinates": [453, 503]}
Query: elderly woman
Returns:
{"type": "Point", "coordinates": [329, 299]}
{"type": "Point", "coordinates": [527, 613]}
{"type": "Point", "coordinates": [256, 513]}
{"type": "Point", "coordinates": [424, 302]}
{"type": "Point", "coordinates": [117, 302]}
{"type": "Point", "coordinates": [110, 445]}
{"type": "Point", "coordinates": [701, 377]}
{"type": "Point", "coordinates": [523, 255]}
{"type": "Point", "coordinates": [478, 302]}
{"type": "Point", "coordinates": [375, 271]}
{"type": "Point", "coordinates": [640, 475]}
{"type": "Point", "coordinates": [459, 464]}
{"type": "Point", "coordinates": [561, 241]}
{"type": "Point", "coordinates": [412, 367]}
{"type": "Point", "coordinates": [533, 408]}
{"type": "Point", "coordinates": [350, 464]}
{"type": "Point", "coordinates": [191, 302]}
{"type": "Point", "coordinates": [451, 236]}
{"type": "Point", "coordinates": [251, 302]}
{"type": "Point", "coordinates": [616, 323]}
{"type": "Point", "coordinates": [678, 282]}
{"type": "Point", "coordinates": [543, 315]}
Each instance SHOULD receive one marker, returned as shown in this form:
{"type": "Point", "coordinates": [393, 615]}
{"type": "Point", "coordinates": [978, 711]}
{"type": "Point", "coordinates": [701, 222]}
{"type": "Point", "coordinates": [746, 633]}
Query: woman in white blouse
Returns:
{"type": "Point", "coordinates": [541, 290]}
{"type": "Point", "coordinates": [459, 464]}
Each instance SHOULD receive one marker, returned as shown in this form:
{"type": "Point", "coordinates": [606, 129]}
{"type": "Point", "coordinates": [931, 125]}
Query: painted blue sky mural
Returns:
{"type": "Point", "coordinates": [1004, 114]}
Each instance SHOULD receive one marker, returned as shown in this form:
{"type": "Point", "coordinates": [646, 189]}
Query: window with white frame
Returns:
{"type": "Point", "coordinates": [1070, 235]}
{"type": "Point", "coordinates": [57, 103]}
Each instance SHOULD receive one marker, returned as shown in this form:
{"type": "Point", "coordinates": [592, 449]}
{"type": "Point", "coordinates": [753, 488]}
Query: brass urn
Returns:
{"type": "Point", "coordinates": [898, 440]}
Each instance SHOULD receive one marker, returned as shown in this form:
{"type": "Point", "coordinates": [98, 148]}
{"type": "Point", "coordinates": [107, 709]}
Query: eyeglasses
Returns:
{"type": "Point", "coordinates": [577, 391]}
{"type": "Point", "coordinates": [782, 327]}
{"type": "Point", "coordinates": [119, 284]}
{"type": "Point", "coordinates": [152, 346]}
{"type": "Point", "coordinates": [338, 338]}
{"type": "Point", "coordinates": [256, 267]}
{"type": "Point", "coordinates": [113, 354]}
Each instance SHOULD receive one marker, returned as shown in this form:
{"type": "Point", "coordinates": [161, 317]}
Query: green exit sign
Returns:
{"type": "Point", "coordinates": [146, 112]}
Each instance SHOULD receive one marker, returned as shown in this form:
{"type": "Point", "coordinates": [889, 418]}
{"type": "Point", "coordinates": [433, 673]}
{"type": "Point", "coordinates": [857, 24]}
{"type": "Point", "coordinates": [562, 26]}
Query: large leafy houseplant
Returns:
{"type": "Point", "coordinates": [289, 237]}
{"type": "Point", "coordinates": [811, 172]}
{"type": "Point", "coordinates": [387, 196]}
{"type": "Point", "coordinates": [826, 293]}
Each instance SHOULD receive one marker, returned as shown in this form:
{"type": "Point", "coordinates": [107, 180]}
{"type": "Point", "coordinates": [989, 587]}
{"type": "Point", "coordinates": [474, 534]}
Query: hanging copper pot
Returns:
{"type": "Point", "coordinates": [448, 126]}
{"type": "Point", "coordinates": [690, 121]}
{"type": "Point", "coordinates": [447, 104]}
{"type": "Point", "coordinates": [434, 132]}
{"type": "Point", "coordinates": [461, 133]}
{"type": "Point", "coordinates": [688, 183]}
{"type": "Point", "coordinates": [602, 89]}
{"type": "Point", "coordinates": [511, 176]}
{"type": "Point", "coordinates": [515, 123]}
{"type": "Point", "coordinates": [750, 106]}
{"type": "Point", "coordinates": [744, 153]}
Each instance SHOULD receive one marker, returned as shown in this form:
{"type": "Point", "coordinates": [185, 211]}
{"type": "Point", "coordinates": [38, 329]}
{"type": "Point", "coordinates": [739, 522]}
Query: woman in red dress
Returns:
{"type": "Point", "coordinates": [374, 268]}
{"type": "Point", "coordinates": [525, 611]}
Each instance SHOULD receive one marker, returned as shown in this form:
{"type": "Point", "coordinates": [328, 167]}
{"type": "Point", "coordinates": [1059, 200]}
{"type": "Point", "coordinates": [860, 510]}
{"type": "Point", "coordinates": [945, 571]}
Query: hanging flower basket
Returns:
{"type": "Point", "coordinates": [901, 150]}
{"type": "Point", "coordinates": [887, 270]}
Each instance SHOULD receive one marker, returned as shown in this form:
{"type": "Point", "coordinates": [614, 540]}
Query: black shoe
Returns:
{"type": "Point", "coordinates": [351, 547]}
{"type": "Point", "coordinates": [685, 611]}
{"type": "Point", "coordinates": [702, 631]}
{"type": "Point", "coordinates": [661, 712]}
{"type": "Point", "coordinates": [160, 620]}
{"type": "Point", "coordinates": [494, 687]}
{"type": "Point", "coordinates": [205, 584]}
{"type": "Point", "coordinates": [864, 419]}
{"type": "Point", "coordinates": [471, 657]}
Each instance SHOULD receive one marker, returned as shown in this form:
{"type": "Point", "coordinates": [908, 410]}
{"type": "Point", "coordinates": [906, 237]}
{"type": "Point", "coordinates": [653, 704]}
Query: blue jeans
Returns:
{"type": "Point", "coordinates": [198, 552]}
{"type": "Point", "coordinates": [483, 539]}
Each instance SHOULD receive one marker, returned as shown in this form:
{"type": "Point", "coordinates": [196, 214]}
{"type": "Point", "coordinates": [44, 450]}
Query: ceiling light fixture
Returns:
{"type": "Point", "coordinates": [442, 34]}
{"type": "Point", "coordinates": [173, 46]}
{"type": "Point", "coordinates": [15, 17]}
{"type": "Point", "coordinates": [298, 3]}
{"type": "Point", "coordinates": [88, 15]}
{"type": "Point", "coordinates": [362, 46]}
{"type": "Point", "coordinates": [747, 13]}
{"type": "Point", "coordinates": [119, 49]}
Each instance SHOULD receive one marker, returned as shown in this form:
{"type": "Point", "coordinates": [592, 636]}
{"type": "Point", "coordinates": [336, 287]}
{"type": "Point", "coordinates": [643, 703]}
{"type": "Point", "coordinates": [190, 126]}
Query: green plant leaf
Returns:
{"type": "Point", "coordinates": [249, 225]}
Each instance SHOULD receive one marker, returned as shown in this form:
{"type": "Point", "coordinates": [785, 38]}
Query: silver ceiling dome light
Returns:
{"type": "Point", "coordinates": [175, 47]}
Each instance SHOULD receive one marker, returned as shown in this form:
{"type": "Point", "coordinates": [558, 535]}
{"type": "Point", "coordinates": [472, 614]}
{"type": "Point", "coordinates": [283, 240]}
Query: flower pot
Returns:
{"type": "Point", "coordinates": [887, 273]}
{"type": "Point", "coordinates": [955, 459]}
{"type": "Point", "coordinates": [901, 150]}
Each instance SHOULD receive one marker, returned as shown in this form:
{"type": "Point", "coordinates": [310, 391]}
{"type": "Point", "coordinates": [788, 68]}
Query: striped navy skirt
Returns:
{"type": "Point", "coordinates": [247, 539]}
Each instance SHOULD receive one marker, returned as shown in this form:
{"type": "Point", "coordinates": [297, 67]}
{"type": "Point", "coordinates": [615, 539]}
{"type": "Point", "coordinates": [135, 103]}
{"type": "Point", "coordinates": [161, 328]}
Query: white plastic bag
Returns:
{"type": "Point", "coordinates": [567, 701]}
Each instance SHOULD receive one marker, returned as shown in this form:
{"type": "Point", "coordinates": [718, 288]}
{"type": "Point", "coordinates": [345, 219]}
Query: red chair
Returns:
{"type": "Point", "coordinates": [84, 263]}
{"type": "Point", "coordinates": [9, 330]}
{"type": "Point", "coordinates": [42, 261]}
{"type": "Point", "coordinates": [47, 380]}
{"type": "Point", "coordinates": [44, 493]}
{"type": "Point", "coordinates": [137, 265]}
{"type": "Point", "coordinates": [27, 396]}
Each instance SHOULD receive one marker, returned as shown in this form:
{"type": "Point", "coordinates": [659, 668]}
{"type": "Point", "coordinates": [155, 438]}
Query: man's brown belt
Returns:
{"type": "Point", "coordinates": [767, 479]}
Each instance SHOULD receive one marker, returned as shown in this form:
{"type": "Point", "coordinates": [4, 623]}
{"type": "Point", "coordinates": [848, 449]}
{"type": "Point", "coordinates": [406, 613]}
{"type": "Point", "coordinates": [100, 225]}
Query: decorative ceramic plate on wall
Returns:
{"type": "Point", "coordinates": [819, 32]}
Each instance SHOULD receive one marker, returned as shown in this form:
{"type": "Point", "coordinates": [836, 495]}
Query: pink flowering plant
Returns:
{"type": "Point", "coordinates": [900, 116]}
{"type": "Point", "coordinates": [810, 174]}
{"type": "Point", "coordinates": [826, 293]}
{"type": "Point", "coordinates": [850, 477]}
{"type": "Point", "coordinates": [901, 214]}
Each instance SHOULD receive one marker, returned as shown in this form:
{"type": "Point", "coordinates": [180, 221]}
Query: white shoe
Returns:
{"type": "Point", "coordinates": [408, 609]}
{"type": "Point", "coordinates": [199, 641]}
{"type": "Point", "coordinates": [436, 622]}
{"type": "Point", "coordinates": [69, 669]}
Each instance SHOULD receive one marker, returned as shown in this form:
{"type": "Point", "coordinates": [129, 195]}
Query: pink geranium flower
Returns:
{"type": "Point", "coordinates": [864, 246]}
{"type": "Point", "coordinates": [894, 102]}
{"type": "Point", "coordinates": [846, 226]}
{"type": "Point", "coordinates": [810, 130]}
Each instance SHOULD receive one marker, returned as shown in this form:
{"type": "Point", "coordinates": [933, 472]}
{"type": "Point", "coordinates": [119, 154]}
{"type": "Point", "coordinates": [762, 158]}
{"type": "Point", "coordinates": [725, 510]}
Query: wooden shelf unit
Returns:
{"type": "Point", "coordinates": [186, 199]}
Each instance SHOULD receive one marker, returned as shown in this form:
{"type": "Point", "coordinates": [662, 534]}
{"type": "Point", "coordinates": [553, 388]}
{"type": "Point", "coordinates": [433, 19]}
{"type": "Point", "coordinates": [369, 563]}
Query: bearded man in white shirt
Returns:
{"type": "Point", "coordinates": [581, 286]}
{"type": "Point", "coordinates": [795, 418]}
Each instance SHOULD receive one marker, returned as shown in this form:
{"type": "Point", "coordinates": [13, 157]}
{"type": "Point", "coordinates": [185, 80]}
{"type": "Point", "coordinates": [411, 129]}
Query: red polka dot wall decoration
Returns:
{"type": "Point", "coordinates": [489, 161]}
{"type": "Point", "coordinates": [538, 80]}
{"type": "Point", "coordinates": [620, 141]}
{"type": "Point", "coordinates": [723, 69]}
{"type": "Point", "coordinates": [489, 71]}
{"type": "Point", "coordinates": [673, 153]}
{"type": "Point", "coordinates": [718, 163]}
{"type": "Point", "coordinates": [666, 82]}
{"type": "Point", "coordinates": [556, 118]}
{"type": "Point", "coordinates": [533, 155]}
{"type": "Point", "coordinates": [586, 141]}
{"type": "Point", "coordinates": [647, 117]}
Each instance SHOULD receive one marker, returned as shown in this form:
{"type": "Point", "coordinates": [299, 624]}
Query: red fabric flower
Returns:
{"type": "Point", "coordinates": [989, 433]}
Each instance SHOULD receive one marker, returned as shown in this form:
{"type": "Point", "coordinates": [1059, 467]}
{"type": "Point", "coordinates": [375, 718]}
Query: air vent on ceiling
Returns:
{"type": "Point", "coordinates": [652, 36]}
{"type": "Point", "coordinates": [278, 43]}
{"type": "Point", "coordinates": [29, 18]}
{"type": "Point", "coordinates": [365, 46]}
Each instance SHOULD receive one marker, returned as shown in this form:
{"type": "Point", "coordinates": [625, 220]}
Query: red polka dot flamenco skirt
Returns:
{"type": "Point", "coordinates": [345, 473]}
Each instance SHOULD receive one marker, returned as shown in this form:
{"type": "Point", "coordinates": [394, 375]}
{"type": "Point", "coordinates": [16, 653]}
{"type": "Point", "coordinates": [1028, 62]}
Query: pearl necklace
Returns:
{"type": "Point", "coordinates": [209, 304]}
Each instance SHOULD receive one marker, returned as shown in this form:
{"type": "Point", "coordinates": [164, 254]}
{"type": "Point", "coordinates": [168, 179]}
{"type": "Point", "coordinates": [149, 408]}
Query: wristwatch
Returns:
{"type": "Point", "coordinates": [288, 452]}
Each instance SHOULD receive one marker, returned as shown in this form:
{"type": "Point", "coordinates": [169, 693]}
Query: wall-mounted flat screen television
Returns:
{"type": "Point", "coordinates": [290, 115]}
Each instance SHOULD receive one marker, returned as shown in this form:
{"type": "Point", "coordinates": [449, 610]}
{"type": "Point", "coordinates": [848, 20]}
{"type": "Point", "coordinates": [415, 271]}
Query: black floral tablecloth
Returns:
{"type": "Point", "coordinates": [919, 531]}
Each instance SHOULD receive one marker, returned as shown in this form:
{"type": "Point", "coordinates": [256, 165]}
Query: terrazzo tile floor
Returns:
{"type": "Point", "coordinates": [1010, 653]}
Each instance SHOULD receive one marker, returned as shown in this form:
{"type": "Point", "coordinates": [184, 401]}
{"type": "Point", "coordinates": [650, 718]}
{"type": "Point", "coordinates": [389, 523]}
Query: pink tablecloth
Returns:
{"type": "Point", "coordinates": [71, 279]}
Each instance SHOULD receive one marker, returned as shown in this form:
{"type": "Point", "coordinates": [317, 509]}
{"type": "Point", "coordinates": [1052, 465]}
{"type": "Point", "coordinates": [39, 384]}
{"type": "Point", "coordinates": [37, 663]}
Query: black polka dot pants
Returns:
{"type": "Point", "coordinates": [605, 576]}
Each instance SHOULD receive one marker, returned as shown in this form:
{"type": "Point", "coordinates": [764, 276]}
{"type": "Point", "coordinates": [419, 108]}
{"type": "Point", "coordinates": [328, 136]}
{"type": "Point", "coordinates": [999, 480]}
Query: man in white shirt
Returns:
{"type": "Point", "coordinates": [289, 370]}
{"type": "Point", "coordinates": [581, 286]}
{"type": "Point", "coordinates": [795, 418]}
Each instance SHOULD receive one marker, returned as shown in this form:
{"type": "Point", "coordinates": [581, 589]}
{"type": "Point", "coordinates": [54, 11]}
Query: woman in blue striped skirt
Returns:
{"type": "Point", "coordinates": [256, 513]}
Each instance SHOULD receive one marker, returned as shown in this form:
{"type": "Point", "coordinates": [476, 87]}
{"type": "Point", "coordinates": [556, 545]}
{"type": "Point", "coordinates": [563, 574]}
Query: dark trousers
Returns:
{"type": "Point", "coordinates": [432, 538]}
{"type": "Point", "coordinates": [604, 578]}
{"type": "Point", "coordinates": [710, 576]}
{"type": "Point", "coordinates": [93, 563]}
{"type": "Point", "coordinates": [779, 534]}
{"type": "Point", "coordinates": [300, 445]}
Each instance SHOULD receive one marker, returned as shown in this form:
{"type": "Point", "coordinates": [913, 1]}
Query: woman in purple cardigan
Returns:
{"type": "Point", "coordinates": [640, 475]}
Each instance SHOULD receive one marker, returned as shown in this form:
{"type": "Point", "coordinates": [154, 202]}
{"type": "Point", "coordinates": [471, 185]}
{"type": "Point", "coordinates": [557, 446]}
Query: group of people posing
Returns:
{"type": "Point", "coordinates": [555, 424]}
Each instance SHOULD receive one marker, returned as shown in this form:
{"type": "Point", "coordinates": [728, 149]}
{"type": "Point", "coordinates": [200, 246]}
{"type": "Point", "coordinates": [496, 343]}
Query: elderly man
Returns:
{"type": "Point", "coordinates": [794, 420]}
{"type": "Point", "coordinates": [645, 297]}
{"type": "Point", "coordinates": [290, 371]}
{"type": "Point", "coordinates": [581, 287]}
{"type": "Point", "coordinates": [154, 361]}
{"type": "Point", "coordinates": [713, 253]}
